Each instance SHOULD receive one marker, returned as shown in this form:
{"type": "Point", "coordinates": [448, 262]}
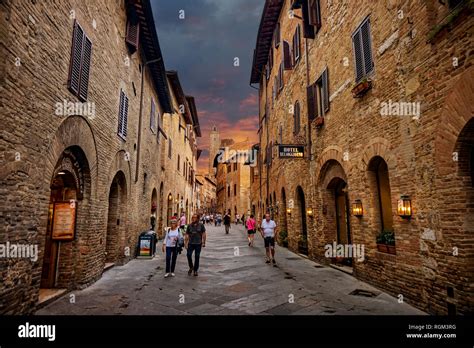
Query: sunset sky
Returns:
{"type": "Point", "coordinates": [202, 48]}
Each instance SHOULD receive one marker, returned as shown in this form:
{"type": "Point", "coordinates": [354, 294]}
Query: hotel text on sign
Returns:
{"type": "Point", "coordinates": [291, 151]}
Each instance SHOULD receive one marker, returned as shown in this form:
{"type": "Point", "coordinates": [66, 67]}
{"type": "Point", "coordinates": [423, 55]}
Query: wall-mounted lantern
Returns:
{"type": "Point", "coordinates": [357, 209]}
{"type": "Point", "coordinates": [288, 211]}
{"type": "Point", "coordinates": [404, 207]}
{"type": "Point", "coordinates": [309, 212]}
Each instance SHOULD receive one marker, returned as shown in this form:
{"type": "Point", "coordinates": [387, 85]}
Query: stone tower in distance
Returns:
{"type": "Point", "coordinates": [214, 145]}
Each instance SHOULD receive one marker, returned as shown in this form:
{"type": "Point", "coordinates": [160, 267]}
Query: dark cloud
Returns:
{"type": "Point", "coordinates": [202, 48]}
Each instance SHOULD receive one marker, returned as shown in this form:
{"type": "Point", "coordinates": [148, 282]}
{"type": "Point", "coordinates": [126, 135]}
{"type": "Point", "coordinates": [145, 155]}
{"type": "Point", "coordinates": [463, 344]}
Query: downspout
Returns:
{"type": "Point", "coordinates": [140, 115]}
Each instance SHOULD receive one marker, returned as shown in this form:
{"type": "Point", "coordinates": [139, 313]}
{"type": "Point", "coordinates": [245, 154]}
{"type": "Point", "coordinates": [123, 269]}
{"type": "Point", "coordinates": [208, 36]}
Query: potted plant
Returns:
{"type": "Point", "coordinates": [386, 242]}
{"type": "Point", "coordinates": [303, 245]}
{"type": "Point", "coordinates": [362, 87]}
{"type": "Point", "coordinates": [284, 238]}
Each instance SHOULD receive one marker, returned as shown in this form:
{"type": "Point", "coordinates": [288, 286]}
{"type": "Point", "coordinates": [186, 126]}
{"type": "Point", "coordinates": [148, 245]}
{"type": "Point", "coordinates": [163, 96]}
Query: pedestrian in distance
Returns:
{"type": "Point", "coordinates": [172, 245]}
{"type": "Point", "coordinates": [251, 226]}
{"type": "Point", "coordinates": [195, 240]}
{"type": "Point", "coordinates": [227, 223]}
{"type": "Point", "coordinates": [182, 222]}
{"type": "Point", "coordinates": [237, 219]}
{"type": "Point", "coordinates": [268, 230]}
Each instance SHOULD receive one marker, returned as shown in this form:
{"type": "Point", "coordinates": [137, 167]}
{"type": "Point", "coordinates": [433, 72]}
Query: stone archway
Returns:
{"type": "Point", "coordinates": [70, 202]}
{"type": "Point", "coordinates": [116, 220]}
{"type": "Point", "coordinates": [300, 221]}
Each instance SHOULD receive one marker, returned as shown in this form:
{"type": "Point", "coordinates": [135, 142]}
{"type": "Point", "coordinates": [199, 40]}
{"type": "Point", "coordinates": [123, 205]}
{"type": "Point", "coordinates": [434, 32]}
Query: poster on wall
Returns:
{"type": "Point", "coordinates": [64, 221]}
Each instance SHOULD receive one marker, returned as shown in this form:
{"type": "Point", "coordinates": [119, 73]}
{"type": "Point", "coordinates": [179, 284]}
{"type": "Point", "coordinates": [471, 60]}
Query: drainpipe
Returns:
{"type": "Point", "coordinates": [140, 115]}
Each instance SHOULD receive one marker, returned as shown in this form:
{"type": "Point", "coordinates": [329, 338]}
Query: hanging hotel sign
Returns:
{"type": "Point", "coordinates": [291, 151]}
{"type": "Point", "coordinates": [64, 221]}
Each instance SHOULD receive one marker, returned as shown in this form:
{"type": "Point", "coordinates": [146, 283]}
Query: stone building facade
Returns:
{"type": "Point", "coordinates": [233, 177]}
{"type": "Point", "coordinates": [208, 199]}
{"type": "Point", "coordinates": [85, 96]}
{"type": "Point", "coordinates": [379, 94]}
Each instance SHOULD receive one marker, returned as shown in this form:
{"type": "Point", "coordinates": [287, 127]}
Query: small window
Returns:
{"type": "Point", "coordinates": [235, 190]}
{"type": "Point", "coordinates": [318, 97]}
{"type": "Point", "coordinates": [152, 117]}
{"type": "Point", "coordinates": [296, 118]}
{"type": "Point", "coordinates": [296, 49]}
{"type": "Point", "coordinates": [315, 14]}
{"type": "Point", "coordinates": [170, 148]}
{"type": "Point", "coordinates": [179, 162]}
{"type": "Point", "coordinates": [235, 167]}
{"type": "Point", "coordinates": [277, 35]}
{"type": "Point", "coordinates": [123, 115]}
{"type": "Point", "coordinates": [280, 78]}
{"type": "Point", "coordinates": [362, 46]}
{"type": "Point", "coordinates": [228, 191]}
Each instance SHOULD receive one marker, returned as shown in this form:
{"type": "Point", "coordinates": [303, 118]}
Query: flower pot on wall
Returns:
{"type": "Point", "coordinates": [382, 248]}
{"type": "Point", "coordinates": [391, 249]}
{"type": "Point", "coordinates": [361, 88]}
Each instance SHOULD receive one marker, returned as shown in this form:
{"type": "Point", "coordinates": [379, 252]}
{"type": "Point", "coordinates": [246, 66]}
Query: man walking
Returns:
{"type": "Point", "coordinates": [227, 223]}
{"type": "Point", "coordinates": [195, 240]}
{"type": "Point", "coordinates": [267, 231]}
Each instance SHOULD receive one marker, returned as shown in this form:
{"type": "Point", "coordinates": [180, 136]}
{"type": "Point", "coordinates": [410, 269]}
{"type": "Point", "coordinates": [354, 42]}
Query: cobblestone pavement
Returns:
{"type": "Point", "coordinates": [228, 284]}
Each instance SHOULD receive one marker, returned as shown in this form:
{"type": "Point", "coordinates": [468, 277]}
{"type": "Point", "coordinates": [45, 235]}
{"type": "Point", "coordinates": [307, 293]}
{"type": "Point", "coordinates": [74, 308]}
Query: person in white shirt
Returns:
{"type": "Point", "coordinates": [171, 246]}
{"type": "Point", "coordinates": [268, 230]}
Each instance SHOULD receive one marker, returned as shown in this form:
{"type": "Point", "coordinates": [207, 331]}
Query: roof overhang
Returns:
{"type": "Point", "coordinates": [270, 15]}
{"type": "Point", "coordinates": [194, 115]}
{"type": "Point", "coordinates": [151, 49]}
{"type": "Point", "coordinates": [179, 94]}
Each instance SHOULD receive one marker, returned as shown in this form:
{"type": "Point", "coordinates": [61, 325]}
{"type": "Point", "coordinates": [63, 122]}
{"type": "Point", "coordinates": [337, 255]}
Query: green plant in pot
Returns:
{"type": "Point", "coordinates": [386, 242]}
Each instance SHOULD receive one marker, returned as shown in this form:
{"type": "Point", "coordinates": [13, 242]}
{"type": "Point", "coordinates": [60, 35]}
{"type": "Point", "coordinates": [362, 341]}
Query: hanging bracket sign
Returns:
{"type": "Point", "coordinates": [290, 151]}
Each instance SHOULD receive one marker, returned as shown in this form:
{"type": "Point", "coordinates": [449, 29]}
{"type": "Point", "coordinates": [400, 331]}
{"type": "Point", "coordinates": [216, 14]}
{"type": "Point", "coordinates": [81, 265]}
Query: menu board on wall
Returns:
{"type": "Point", "coordinates": [64, 221]}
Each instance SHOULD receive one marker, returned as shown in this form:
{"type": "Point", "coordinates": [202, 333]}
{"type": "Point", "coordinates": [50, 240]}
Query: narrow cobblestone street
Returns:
{"type": "Point", "coordinates": [228, 284]}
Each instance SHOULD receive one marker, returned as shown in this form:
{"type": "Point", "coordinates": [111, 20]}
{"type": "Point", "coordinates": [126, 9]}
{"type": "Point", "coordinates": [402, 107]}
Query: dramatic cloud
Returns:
{"type": "Point", "coordinates": [202, 47]}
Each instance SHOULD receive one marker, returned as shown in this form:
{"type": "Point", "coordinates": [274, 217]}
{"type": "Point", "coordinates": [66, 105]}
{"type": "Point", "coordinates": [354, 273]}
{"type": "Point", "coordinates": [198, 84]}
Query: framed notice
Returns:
{"type": "Point", "coordinates": [64, 220]}
{"type": "Point", "coordinates": [291, 151]}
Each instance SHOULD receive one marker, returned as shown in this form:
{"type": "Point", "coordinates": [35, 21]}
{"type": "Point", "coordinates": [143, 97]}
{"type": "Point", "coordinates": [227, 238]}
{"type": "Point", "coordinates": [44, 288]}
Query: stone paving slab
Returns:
{"type": "Point", "coordinates": [232, 281]}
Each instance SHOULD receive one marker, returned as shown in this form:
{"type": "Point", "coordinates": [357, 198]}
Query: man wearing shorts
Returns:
{"type": "Point", "coordinates": [267, 231]}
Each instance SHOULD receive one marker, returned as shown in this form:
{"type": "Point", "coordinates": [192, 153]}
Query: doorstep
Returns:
{"type": "Point", "coordinates": [47, 296]}
{"type": "Point", "coordinates": [108, 266]}
{"type": "Point", "coordinates": [345, 269]}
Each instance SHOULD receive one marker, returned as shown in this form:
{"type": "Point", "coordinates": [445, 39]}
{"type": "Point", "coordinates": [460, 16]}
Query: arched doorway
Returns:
{"type": "Point", "coordinates": [154, 209]}
{"type": "Point", "coordinates": [283, 218]}
{"type": "Point", "coordinates": [67, 214]}
{"type": "Point", "coordinates": [301, 221]}
{"type": "Point", "coordinates": [160, 210]}
{"type": "Point", "coordinates": [116, 220]}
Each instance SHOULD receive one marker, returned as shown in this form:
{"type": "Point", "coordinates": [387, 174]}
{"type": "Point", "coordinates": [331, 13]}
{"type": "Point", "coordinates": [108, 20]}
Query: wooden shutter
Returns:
{"type": "Point", "coordinates": [123, 115]}
{"type": "Point", "coordinates": [133, 34]}
{"type": "Point", "coordinates": [287, 56]}
{"type": "Point", "coordinates": [358, 56]}
{"type": "Point", "coordinates": [152, 116]}
{"type": "Point", "coordinates": [120, 115]}
{"type": "Point", "coordinates": [315, 14]}
{"type": "Point", "coordinates": [366, 47]}
{"type": "Point", "coordinates": [308, 29]}
{"type": "Point", "coordinates": [277, 35]}
{"type": "Point", "coordinates": [85, 68]}
{"type": "Point", "coordinates": [310, 92]}
{"type": "Point", "coordinates": [74, 78]}
{"type": "Point", "coordinates": [325, 90]}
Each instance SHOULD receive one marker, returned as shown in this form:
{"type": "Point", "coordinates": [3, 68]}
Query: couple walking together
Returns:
{"type": "Point", "coordinates": [194, 240]}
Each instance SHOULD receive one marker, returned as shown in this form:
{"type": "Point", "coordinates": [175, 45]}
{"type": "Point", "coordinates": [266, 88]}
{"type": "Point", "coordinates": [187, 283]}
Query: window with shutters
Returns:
{"type": "Point", "coordinates": [80, 64]}
{"type": "Point", "coordinates": [132, 35]}
{"type": "Point", "coordinates": [170, 148]}
{"type": "Point", "coordinates": [315, 14]}
{"type": "Point", "coordinates": [296, 118]}
{"type": "Point", "coordinates": [153, 117]}
{"type": "Point", "coordinates": [277, 35]}
{"type": "Point", "coordinates": [123, 116]}
{"type": "Point", "coordinates": [296, 48]}
{"type": "Point", "coordinates": [235, 167]}
{"type": "Point", "coordinates": [287, 56]}
{"type": "Point", "coordinates": [362, 47]}
{"type": "Point", "coordinates": [318, 96]}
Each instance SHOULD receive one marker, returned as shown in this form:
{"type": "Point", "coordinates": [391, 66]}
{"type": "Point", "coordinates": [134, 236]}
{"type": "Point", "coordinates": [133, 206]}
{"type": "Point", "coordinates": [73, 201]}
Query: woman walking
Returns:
{"type": "Point", "coordinates": [251, 225]}
{"type": "Point", "coordinates": [172, 245]}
